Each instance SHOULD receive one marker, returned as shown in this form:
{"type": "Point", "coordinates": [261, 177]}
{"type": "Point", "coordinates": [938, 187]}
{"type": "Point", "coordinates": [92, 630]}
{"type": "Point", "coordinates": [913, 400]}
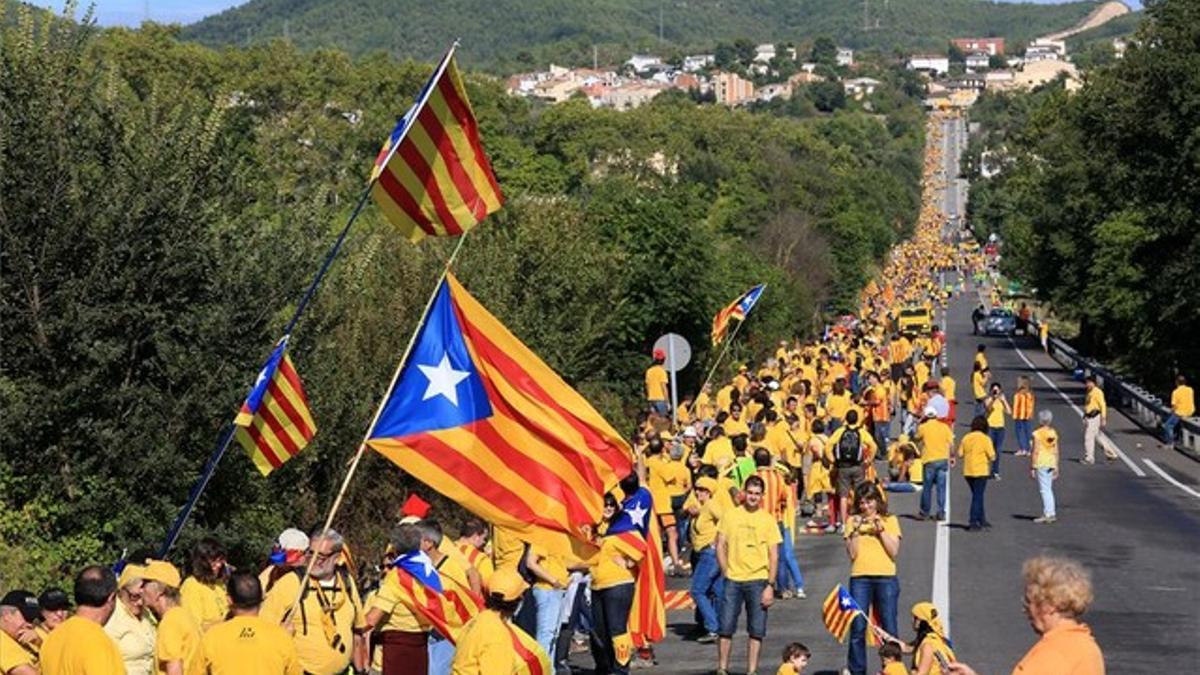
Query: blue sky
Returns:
{"type": "Point", "coordinates": [132, 12]}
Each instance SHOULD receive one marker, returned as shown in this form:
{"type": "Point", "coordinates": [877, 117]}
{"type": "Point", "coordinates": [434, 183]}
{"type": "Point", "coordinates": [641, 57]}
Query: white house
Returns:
{"type": "Point", "coordinates": [845, 57]}
{"type": "Point", "coordinates": [643, 62]}
{"type": "Point", "coordinates": [860, 86]}
{"type": "Point", "coordinates": [977, 60]}
{"type": "Point", "coordinates": [697, 62]}
{"type": "Point", "coordinates": [764, 53]}
{"type": "Point", "coordinates": [929, 63]}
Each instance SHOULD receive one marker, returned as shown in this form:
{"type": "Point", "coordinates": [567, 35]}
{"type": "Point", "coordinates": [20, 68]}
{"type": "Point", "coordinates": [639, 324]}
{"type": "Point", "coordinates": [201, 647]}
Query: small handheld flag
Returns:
{"type": "Point", "coordinates": [839, 612]}
{"type": "Point", "coordinates": [432, 177]}
{"type": "Point", "coordinates": [739, 310]}
{"type": "Point", "coordinates": [275, 422]}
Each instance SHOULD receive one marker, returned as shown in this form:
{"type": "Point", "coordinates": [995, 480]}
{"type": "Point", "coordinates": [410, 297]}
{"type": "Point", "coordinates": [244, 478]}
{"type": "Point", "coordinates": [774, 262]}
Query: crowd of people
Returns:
{"type": "Point", "coordinates": [814, 439]}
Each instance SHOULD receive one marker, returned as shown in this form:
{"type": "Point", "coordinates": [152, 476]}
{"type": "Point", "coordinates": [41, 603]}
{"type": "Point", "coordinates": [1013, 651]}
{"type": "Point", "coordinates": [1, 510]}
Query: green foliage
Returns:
{"type": "Point", "coordinates": [1098, 199]}
{"type": "Point", "coordinates": [509, 35]}
{"type": "Point", "coordinates": [163, 206]}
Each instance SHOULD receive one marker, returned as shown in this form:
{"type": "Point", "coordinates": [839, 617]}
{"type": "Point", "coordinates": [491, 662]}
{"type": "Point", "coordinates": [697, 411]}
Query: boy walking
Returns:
{"type": "Point", "coordinates": [1044, 466]}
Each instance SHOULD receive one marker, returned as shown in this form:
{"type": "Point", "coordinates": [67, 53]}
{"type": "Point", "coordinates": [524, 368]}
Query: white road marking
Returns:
{"type": "Point", "coordinates": [1104, 439]}
{"type": "Point", "coordinates": [1171, 479]}
{"type": "Point", "coordinates": [941, 564]}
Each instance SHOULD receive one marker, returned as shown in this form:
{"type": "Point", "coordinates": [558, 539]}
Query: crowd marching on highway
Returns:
{"type": "Point", "coordinates": [811, 440]}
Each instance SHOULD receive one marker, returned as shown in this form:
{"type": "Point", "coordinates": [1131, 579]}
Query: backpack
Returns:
{"type": "Point", "coordinates": [849, 448]}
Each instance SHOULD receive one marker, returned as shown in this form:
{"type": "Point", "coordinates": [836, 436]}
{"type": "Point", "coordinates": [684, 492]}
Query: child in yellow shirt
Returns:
{"type": "Point", "coordinates": [795, 659]}
{"type": "Point", "coordinates": [890, 656]}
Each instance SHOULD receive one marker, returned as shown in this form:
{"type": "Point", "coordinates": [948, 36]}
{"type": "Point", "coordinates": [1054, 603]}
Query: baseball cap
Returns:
{"type": "Point", "coordinates": [931, 411]}
{"type": "Point", "coordinates": [706, 483]}
{"type": "Point", "coordinates": [293, 539]}
{"type": "Point", "coordinates": [53, 600]}
{"type": "Point", "coordinates": [130, 572]}
{"type": "Point", "coordinates": [24, 601]}
{"type": "Point", "coordinates": [689, 432]}
{"type": "Point", "coordinates": [660, 354]}
{"type": "Point", "coordinates": [163, 572]}
{"type": "Point", "coordinates": [507, 583]}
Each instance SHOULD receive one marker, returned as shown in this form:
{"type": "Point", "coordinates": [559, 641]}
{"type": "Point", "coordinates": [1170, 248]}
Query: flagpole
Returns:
{"type": "Point", "coordinates": [214, 459]}
{"type": "Point", "coordinates": [362, 446]}
{"type": "Point", "coordinates": [716, 363]}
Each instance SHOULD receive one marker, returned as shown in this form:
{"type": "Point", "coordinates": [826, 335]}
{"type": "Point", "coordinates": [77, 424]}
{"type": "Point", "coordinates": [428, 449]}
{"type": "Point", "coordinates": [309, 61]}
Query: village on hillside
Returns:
{"type": "Point", "coordinates": [765, 72]}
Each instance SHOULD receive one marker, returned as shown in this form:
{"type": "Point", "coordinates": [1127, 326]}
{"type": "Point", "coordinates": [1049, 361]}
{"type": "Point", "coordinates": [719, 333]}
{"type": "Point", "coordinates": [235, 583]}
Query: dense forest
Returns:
{"type": "Point", "coordinates": [163, 205]}
{"type": "Point", "coordinates": [1098, 196]}
{"type": "Point", "coordinates": [513, 35]}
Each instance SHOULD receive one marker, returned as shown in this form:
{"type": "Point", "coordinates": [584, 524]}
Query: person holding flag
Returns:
{"type": "Point", "coordinates": [622, 547]}
{"type": "Point", "coordinates": [931, 638]}
{"type": "Point", "coordinates": [403, 629]}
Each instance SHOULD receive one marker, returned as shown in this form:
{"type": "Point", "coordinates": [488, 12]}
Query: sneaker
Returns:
{"type": "Point", "coordinates": [986, 525]}
{"type": "Point", "coordinates": [707, 638]}
{"type": "Point", "coordinates": [787, 595]}
{"type": "Point", "coordinates": [921, 516]}
{"type": "Point", "coordinates": [1042, 519]}
{"type": "Point", "coordinates": [1051, 519]}
{"type": "Point", "coordinates": [995, 476]}
{"type": "Point", "coordinates": [800, 594]}
{"type": "Point", "coordinates": [1110, 458]}
{"type": "Point", "coordinates": [1087, 461]}
{"type": "Point", "coordinates": [830, 529]}
{"type": "Point", "coordinates": [941, 517]}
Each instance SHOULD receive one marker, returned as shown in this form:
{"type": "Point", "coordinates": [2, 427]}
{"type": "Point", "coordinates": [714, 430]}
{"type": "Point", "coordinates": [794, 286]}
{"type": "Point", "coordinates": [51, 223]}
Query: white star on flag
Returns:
{"type": "Point", "coordinates": [423, 558]}
{"type": "Point", "coordinates": [443, 380]}
{"type": "Point", "coordinates": [638, 514]}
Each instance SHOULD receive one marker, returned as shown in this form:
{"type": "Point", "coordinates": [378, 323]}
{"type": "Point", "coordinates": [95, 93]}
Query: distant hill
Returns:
{"type": "Point", "coordinates": [1122, 26]}
{"type": "Point", "coordinates": [506, 35]}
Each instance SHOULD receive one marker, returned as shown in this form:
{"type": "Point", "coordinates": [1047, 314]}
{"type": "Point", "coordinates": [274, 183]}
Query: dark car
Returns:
{"type": "Point", "coordinates": [999, 322]}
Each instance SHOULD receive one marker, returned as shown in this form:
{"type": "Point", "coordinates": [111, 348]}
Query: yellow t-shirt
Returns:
{"type": "Point", "coordinates": [14, 654]}
{"type": "Point", "coordinates": [935, 438]}
{"type": "Point", "coordinates": [872, 559]}
{"type": "Point", "coordinates": [949, 387]}
{"type": "Point", "coordinates": [734, 427]}
{"type": "Point", "coordinates": [939, 645]}
{"type": "Point", "coordinates": [1094, 402]}
{"type": "Point", "coordinates": [507, 548]}
{"type": "Point", "coordinates": [995, 415]}
{"type": "Point", "coordinates": [1045, 448]}
{"type": "Point", "coordinates": [977, 452]}
{"type": "Point", "coordinates": [786, 669]}
{"type": "Point", "coordinates": [179, 636]}
{"type": "Point", "coordinates": [606, 571]}
{"type": "Point", "coordinates": [1183, 401]}
{"type": "Point", "coordinates": [677, 478]}
{"type": "Point", "coordinates": [333, 604]}
{"type": "Point", "coordinates": [656, 383]}
{"type": "Point", "coordinates": [248, 645]}
{"type": "Point", "coordinates": [485, 646]}
{"type": "Point", "coordinates": [80, 646]}
{"type": "Point", "coordinates": [977, 386]}
{"type": "Point", "coordinates": [478, 559]}
{"type": "Point", "coordinates": [389, 601]}
{"type": "Point", "coordinates": [553, 565]}
{"type": "Point", "coordinates": [665, 477]}
{"type": "Point", "coordinates": [134, 638]}
{"type": "Point", "coordinates": [704, 524]}
{"type": "Point", "coordinates": [208, 603]}
{"type": "Point", "coordinates": [719, 452]}
{"type": "Point", "coordinates": [895, 668]}
{"type": "Point", "coordinates": [836, 406]}
{"type": "Point", "coordinates": [981, 360]}
{"type": "Point", "coordinates": [748, 537]}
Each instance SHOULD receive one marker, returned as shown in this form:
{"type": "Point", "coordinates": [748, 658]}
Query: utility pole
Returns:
{"type": "Point", "coordinates": [660, 23]}
{"type": "Point", "coordinates": [595, 57]}
{"type": "Point", "coordinates": [866, 15]}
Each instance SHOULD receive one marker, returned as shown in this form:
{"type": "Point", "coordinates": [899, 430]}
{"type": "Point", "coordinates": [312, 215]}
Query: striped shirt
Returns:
{"type": "Point", "coordinates": [774, 492]}
{"type": "Point", "coordinates": [1022, 405]}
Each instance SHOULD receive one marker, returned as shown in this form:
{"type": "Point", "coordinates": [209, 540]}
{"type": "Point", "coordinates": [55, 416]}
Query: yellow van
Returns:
{"type": "Point", "coordinates": [915, 319]}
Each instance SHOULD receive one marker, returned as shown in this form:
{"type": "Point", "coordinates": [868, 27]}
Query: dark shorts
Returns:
{"type": "Point", "coordinates": [897, 371]}
{"type": "Point", "coordinates": [748, 594]}
{"type": "Point", "coordinates": [847, 478]}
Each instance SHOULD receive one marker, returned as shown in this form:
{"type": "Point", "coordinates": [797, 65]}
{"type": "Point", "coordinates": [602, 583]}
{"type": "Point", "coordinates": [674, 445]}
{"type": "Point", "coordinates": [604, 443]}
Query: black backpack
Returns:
{"type": "Point", "coordinates": [849, 449]}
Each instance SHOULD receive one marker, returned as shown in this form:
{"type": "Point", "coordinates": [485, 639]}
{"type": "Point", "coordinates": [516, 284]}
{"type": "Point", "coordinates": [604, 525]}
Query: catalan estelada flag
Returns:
{"type": "Point", "coordinates": [432, 177]}
{"type": "Point", "coordinates": [738, 309]}
{"type": "Point", "coordinates": [839, 612]}
{"type": "Point", "coordinates": [422, 591]}
{"type": "Point", "coordinates": [275, 422]}
{"type": "Point", "coordinates": [648, 614]}
{"type": "Point", "coordinates": [480, 418]}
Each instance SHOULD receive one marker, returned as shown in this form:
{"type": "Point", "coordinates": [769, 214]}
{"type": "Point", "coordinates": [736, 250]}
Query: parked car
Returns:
{"type": "Point", "coordinates": [999, 322]}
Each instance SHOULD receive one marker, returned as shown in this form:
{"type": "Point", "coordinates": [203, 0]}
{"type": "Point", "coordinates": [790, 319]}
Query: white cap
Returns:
{"type": "Point", "coordinates": [689, 433]}
{"type": "Point", "coordinates": [931, 411]}
{"type": "Point", "coordinates": [773, 385]}
{"type": "Point", "coordinates": [292, 539]}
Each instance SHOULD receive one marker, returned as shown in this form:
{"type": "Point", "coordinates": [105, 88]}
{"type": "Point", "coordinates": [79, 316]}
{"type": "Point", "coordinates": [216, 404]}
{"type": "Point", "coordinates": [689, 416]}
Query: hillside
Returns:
{"type": "Point", "coordinates": [1103, 13]}
{"type": "Point", "coordinates": [507, 35]}
{"type": "Point", "coordinates": [1122, 26]}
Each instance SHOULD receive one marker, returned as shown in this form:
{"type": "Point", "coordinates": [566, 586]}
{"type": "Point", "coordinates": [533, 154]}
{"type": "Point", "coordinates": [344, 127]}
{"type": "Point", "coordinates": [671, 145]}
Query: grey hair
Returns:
{"type": "Point", "coordinates": [406, 538]}
{"type": "Point", "coordinates": [1045, 417]}
{"type": "Point", "coordinates": [676, 451]}
{"type": "Point", "coordinates": [331, 535]}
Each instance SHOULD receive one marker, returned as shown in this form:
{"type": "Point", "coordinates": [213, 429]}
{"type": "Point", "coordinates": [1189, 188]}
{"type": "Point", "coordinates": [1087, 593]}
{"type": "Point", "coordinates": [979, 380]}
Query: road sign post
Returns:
{"type": "Point", "coordinates": [679, 353]}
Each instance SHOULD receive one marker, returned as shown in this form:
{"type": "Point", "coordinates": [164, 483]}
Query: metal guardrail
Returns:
{"type": "Point", "coordinates": [1144, 408]}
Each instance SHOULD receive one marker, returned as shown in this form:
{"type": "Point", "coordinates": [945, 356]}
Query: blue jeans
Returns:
{"type": "Point", "coordinates": [610, 617]}
{"type": "Point", "coordinates": [660, 407]}
{"type": "Point", "coordinates": [884, 593]}
{"type": "Point", "coordinates": [1024, 431]}
{"type": "Point", "coordinates": [748, 594]}
{"type": "Point", "coordinates": [935, 477]}
{"type": "Point", "coordinates": [789, 577]}
{"type": "Point", "coordinates": [977, 484]}
{"type": "Point", "coordinates": [1168, 429]}
{"type": "Point", "coordinates": [708, 587]}
{"type": "Point", "coordinates": [1045, 479]}
{"type": "Point", "coordinates": [997, 436]}
{"type": "Point", "coordinates": [441, 654]}
{"type": "Point", "coordinates": [549, 606]}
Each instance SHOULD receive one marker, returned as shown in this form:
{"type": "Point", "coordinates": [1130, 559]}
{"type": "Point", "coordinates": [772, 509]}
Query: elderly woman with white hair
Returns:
{"type": "Point", "coordinates": [1044, 464]}
{"type": "Point", "coordinates": [1057, 593]}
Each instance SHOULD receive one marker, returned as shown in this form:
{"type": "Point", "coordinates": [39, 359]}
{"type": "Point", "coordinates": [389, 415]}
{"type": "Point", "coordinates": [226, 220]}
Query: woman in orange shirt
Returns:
{"type": "Point", "coordinates": [1022, 412]}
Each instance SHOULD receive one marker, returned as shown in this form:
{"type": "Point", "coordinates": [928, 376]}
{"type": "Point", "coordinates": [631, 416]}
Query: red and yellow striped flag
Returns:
{"type": "Point", "coordinates": [480, 418]}
{"type": "Point", "coordinates": [275, 422]}
{"type": "Point", "coordinates": [432, 177]}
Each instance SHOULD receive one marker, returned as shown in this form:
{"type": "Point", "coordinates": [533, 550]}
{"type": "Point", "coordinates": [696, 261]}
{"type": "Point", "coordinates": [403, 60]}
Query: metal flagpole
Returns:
{"type": "Point", "coordinates": [717, 363]}
{"type": "Point", "coordinates": [227, 437]}
{"type": "Point", "coordinates": [362, 446]}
